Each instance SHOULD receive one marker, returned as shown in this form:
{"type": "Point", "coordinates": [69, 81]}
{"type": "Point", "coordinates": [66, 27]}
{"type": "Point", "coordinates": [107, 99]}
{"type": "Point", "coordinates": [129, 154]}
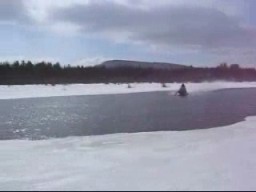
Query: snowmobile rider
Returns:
{"type": "Point", "coordinates": [182, 91]}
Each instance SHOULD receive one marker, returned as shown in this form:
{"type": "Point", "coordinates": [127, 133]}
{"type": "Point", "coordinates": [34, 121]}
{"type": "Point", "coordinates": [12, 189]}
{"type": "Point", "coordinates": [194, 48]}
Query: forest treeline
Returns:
{"type": "Point", "coordinates": [26, 72]}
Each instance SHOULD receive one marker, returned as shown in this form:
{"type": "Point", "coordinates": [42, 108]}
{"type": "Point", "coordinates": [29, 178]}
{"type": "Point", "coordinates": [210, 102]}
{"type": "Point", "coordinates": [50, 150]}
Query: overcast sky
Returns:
{"type": "Point", "coordinates": [193, 32]}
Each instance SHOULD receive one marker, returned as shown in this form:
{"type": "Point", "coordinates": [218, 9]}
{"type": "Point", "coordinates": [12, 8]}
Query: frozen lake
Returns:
{"type": "Point", "coordinates": [41, 118]}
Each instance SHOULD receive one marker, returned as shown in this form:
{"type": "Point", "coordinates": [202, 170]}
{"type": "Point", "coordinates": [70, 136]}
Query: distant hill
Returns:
{"type": "Point", "coordinates": [140, 64]}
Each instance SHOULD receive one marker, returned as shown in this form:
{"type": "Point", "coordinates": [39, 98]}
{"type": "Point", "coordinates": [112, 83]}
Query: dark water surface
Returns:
{"type": "Point", "coordinates": [41, 118]}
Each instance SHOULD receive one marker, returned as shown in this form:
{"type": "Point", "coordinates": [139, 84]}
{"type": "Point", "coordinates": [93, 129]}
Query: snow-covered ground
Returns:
{"type": "Point", "coordinates": [30, 91]}
{"type": "Point", "coordinates": [214, 159]}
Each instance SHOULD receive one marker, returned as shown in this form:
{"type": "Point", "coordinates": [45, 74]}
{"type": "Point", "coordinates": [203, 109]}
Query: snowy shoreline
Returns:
{"type": "Point", "coordinates": [221, 158]}
{"type": "Point", "coordinates": [34, 91]}
{"type": "Point", "coordinates": [213, 159]}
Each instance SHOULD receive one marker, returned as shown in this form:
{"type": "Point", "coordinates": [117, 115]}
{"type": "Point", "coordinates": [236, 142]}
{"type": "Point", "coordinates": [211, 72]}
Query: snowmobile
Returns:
{"type": "Point", "coordinates": [182, 91]}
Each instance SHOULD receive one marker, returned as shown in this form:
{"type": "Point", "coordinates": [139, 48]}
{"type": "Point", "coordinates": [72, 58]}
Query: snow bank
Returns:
{"type": "Point", "coordinates": [31, 91]}
{"type": "Point", "coordinates": [214, 159]}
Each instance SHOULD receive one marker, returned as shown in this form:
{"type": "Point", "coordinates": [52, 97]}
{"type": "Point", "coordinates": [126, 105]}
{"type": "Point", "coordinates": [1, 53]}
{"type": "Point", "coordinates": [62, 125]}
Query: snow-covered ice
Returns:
{"type": "Point", "coordinates": [213, 159]}
{"type": "Point", "coordinates": [31, 91]}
